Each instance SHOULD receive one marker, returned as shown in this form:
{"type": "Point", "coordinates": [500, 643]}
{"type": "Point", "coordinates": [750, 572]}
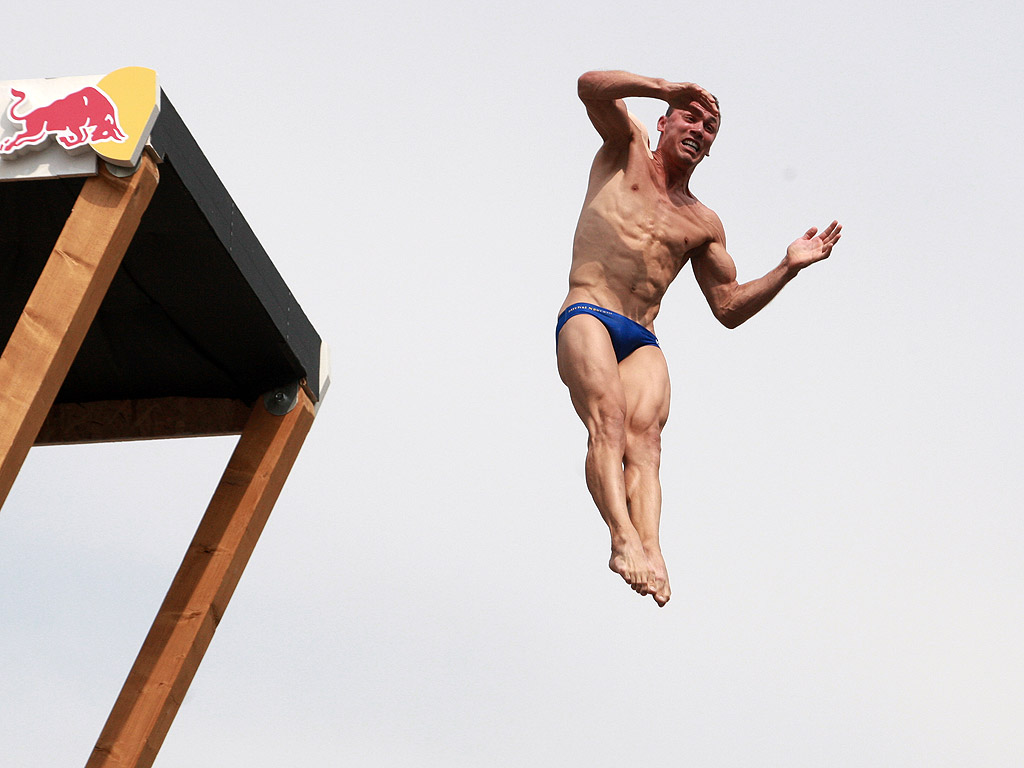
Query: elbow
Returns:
{"type": "Point", "coordinates": [587, 83]}
{"type": "Point", "coordinates": [583, 84]}
{"type": "Point", "coordinates": [728, 318]}
{"type": "Point", "coordinates": [730, 322]}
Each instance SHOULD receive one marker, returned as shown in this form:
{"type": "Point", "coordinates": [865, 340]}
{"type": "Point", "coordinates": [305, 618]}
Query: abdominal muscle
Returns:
{"type": "Point", "coordinates": [621, 260]}
{"type": "Point", "coordinates": [591, 283]}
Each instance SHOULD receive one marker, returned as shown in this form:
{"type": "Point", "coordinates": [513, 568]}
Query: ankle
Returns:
{"type": "Point", "coordinates": [626, 539]}
{"type": "Point", "coordinates": [651, 544]}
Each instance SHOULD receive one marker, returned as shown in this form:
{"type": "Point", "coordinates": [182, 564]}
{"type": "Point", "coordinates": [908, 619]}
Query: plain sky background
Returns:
{"type": "Point", "coordinates": [842, 518]}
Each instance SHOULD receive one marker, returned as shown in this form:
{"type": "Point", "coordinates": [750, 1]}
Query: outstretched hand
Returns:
{"type": "Point", "coordinates": [812, 246]}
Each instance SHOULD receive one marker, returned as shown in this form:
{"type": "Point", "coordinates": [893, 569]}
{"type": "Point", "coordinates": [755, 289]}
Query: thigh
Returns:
{"type": "Point", "coordinates": [587, 365]}
{"type": "Point", "coordinates": [646, 386]}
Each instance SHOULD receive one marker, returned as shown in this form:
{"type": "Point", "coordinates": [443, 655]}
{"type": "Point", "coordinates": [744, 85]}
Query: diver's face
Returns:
{"type": "Point", "coordinates": [688, 133]}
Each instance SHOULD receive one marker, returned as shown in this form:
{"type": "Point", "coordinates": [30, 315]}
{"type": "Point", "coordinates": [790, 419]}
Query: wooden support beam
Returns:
{"type": "Point", "coordinates": [63, 305]}
{"type": "Point", "coordinates": [116, 420]}
{"type": "Point", "coordinates": [200, 592]}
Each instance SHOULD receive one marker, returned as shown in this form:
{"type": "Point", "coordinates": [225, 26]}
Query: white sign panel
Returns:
{"type": "Point", "coordinates": [65, 126]}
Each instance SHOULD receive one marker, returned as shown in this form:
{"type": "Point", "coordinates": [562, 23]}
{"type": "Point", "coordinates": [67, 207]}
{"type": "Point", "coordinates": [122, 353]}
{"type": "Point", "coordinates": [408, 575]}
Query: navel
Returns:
{"type": "Point", "coordinates": [636, 187]}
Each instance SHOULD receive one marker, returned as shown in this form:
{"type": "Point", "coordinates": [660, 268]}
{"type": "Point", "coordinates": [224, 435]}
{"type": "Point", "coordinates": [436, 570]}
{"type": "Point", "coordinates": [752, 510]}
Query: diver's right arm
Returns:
{"type": "Point", "coordinates": [603, 91]}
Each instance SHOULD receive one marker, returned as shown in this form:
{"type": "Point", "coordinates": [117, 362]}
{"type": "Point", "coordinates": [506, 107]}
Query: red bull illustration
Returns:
{"type": "Point", "coordinates": [82, 117]}
{"type": "Point", "coordinates": [48, 126]}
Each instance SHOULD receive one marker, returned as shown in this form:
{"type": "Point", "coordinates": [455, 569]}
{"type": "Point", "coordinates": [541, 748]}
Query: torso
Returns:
{"type": "Point", "coordinates": [633, 236]}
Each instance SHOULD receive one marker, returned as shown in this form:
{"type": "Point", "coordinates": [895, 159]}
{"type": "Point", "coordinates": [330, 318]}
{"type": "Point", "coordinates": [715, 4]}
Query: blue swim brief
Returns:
{"type": "Point", "coordinates": [627, 335]}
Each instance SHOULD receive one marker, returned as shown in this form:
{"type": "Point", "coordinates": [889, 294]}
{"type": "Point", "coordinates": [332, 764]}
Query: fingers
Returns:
{"type": "Point", "coordinates": [688, 92]}
{"type": "Point", "coordinates": [706, 98]}
{"type": "Point", "coordinates": [709, 101]}
{"type": "Point", "coordinates": [832, 234]}
{"type": "Point", "coordinates": [829, 236]}
{"type": "Point", "coordinates": [832, 231]}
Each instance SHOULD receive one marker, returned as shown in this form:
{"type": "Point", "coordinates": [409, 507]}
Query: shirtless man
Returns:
{"type": "Point", "coordinates": [639, 226]}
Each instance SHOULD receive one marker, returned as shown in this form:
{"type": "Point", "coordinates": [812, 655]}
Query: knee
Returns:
{"type": "Point", "coordinates": [643, 446]}
{"type": "Point", "coordinates": [607, 427]}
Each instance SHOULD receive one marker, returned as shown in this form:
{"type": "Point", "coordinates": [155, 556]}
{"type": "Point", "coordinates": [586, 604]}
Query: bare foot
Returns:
{"type": "Point", "coordinates": [631, 563]}
{"type": "Point", "coordinates": [662, 591]}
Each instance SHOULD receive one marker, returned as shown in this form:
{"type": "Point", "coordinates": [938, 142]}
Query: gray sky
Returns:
{"type": "Point", "coordinates": [842, 515]}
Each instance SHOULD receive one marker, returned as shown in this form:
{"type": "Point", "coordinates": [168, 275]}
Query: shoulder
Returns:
{"type": "Point", "coordinates": [712, 230]}
{"type": "Point", "coordinates": [714, 222]}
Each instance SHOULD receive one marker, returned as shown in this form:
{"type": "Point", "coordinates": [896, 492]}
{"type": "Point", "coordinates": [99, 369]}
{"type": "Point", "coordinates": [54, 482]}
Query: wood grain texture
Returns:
{"type": "Point", "coordinates": [63, 304]}
{"type": "Point", "coordinates": [164, 417]}
{"type": "Point", "coordinates": [200, 592]}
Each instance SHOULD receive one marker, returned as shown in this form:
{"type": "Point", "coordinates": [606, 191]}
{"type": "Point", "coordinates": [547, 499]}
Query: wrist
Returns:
{"type": "Point", "coordinates": [789, 269]}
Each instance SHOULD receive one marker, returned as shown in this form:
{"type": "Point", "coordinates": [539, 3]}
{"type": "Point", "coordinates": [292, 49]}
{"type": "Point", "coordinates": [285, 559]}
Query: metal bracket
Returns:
{"type": "Point", "coordinates": [280, 401]}
{"type": "Point", "coordinates": [123, 172]}
{"type": "Point", "coordinates": [120, 171]}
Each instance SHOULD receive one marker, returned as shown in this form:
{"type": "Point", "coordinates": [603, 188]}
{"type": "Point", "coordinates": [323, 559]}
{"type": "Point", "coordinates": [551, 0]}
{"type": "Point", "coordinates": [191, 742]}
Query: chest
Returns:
{"type": "Point", "coordinates": [648, 215]}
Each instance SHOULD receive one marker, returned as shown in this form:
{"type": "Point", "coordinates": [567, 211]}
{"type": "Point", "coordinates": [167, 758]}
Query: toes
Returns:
{"type": "Point", "coordinates": [640, 585]}
{"type": "Point", "coordinates": [641, 581]}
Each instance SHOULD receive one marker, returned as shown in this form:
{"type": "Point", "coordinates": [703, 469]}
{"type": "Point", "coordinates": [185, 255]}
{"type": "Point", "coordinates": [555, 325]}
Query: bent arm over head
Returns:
{"type": "Point", "coordinates": [603, 91]}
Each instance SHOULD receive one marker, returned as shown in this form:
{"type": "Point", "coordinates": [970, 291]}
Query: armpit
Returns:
{"type": "Point", "coordinates": [642, 130]}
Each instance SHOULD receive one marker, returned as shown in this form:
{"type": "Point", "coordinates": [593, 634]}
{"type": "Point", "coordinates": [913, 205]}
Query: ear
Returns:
{"type": "Point", "coordinates": [662, 122]}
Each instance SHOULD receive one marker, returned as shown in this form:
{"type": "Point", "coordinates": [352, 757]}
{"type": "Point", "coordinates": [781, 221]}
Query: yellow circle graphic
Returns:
{"type": "Point", "coordinates": [135, 92]}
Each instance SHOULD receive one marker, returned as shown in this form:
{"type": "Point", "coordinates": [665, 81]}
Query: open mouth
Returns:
{"type": "Point", "coordinates": [692, 144]}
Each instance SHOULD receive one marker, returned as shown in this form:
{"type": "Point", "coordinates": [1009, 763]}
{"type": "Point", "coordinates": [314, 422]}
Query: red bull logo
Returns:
{"type": "Point", "coordinates": [76, 120]}
{"type": "Point", "coordinates": [47, 127]}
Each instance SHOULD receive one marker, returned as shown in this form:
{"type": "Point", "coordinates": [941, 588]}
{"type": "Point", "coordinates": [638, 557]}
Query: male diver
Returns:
{"type": "Point", "coordinates": [639, 226]}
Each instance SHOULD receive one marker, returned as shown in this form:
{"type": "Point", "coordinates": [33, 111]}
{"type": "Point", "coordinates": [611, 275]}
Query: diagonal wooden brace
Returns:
{"type": "Point", "coordinates": [200, 592]}
{"type": "Point", "coordinates": [63, 305]}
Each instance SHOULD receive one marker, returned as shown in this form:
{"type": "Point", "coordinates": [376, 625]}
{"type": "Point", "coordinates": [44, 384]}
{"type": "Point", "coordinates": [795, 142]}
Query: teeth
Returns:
{"type": "Point", "coordinates": [691, 143]}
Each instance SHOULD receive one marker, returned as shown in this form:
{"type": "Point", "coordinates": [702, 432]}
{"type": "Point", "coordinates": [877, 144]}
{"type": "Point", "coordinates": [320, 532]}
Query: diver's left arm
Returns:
{"type": "Point", "coordinates": [733, 303]}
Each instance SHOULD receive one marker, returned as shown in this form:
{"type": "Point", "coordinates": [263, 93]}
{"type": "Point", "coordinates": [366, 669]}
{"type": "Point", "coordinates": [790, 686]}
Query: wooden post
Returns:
{"type": "Point", "coordinates": [63, 305]}
{"type": "Point", "coordinates": [200, 592]}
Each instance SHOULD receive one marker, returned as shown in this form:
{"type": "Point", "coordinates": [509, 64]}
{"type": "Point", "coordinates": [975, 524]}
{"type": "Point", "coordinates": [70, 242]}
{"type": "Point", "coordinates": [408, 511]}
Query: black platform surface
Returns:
{"type": "Point", "coordinates": [197, 308]}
